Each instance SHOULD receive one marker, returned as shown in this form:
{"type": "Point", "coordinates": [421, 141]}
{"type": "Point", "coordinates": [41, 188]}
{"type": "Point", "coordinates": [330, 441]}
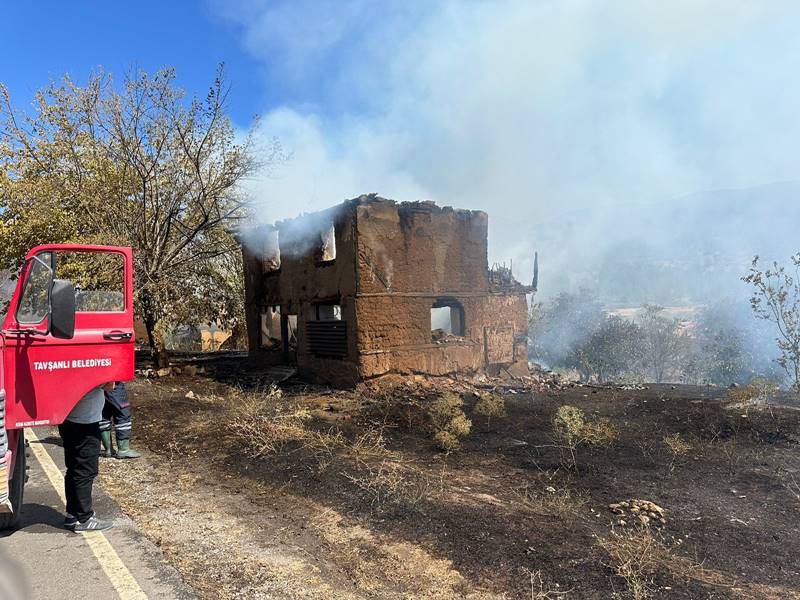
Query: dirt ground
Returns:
{"type": "Point", "coordinates": [361, 504]}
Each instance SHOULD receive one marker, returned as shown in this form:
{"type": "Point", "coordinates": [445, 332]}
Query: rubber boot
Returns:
{"type": "Point", "coordinates": [105, 440]}
{"type": "Point", "coordinates": [124, 450]}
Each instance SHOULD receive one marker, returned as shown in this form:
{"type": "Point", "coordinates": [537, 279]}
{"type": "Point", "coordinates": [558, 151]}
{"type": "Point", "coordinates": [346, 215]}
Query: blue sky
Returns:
{"type": "Point", "coordinates": [43, 39]}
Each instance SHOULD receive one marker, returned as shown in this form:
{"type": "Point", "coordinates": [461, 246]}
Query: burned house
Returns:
{"type": "Point", "coordinates": [373, 286]}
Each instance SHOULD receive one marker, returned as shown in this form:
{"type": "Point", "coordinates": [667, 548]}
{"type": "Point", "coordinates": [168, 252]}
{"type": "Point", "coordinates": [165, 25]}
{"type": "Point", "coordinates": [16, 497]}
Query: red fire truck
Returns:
{"type": "Point", "coordinates": [59, 340]}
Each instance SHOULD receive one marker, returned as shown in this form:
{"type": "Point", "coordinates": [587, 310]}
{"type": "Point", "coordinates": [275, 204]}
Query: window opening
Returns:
{"type": "Point", "coordinates": [271, 331]}
{"type": "Point", "coordinates": [271, 257]}
{"type": "Point", "coordinates": [447, 320]}
{"type": "Point", "coordinates": [325, 312]}
{"type": "Point", "coordinates": [326, 252]}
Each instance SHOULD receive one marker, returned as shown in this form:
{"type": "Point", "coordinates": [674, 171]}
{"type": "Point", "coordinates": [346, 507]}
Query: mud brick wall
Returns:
{"type": "Point", "coordinates": [302, 278]}
{"type": "Point", "coordinates": [420, 247]}
{"type": "Point", "coordinates": [394, 334]}
{"type": "Point", "coordinates": [393, 262]}
{"type": "Point", "coordinates": [342, 371]}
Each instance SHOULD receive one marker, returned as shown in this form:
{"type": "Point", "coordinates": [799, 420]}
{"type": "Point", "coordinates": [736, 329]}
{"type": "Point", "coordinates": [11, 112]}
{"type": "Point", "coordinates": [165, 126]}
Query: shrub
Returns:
{"type": "Point", "coordinates": [640, 554]}
{"type": "Point", "coordinates": [444, 408]}
{"type": "Point", "coordinates": [571, 430]}
{"type": "Point", "coordinates": [600, 432]}
{"type": "Point", "coordinates": [446, 441]}
{"type": "Point", "coordinates": [490, 405]}
{"type": "Point", "coordinates": [676, 445]}
{"type": "Point", "coordinates": [265, 423]}
{"type": "Point", "coordinates": [759, 390]}
{"type": "Point", "coordinates": [568, 424]}
{"type": "Point", "coordinates": [448, 421]}
{"type": "Point", "coordinates": [636, 555]}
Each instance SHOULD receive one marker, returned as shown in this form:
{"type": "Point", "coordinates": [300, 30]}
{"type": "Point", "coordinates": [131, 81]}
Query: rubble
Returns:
{"type": "Point", "coordinates": [643, 512]}
{"type": "Point", "coordinates": [190, 370]}
{"type": "Point", "coordinates": [476, 384]}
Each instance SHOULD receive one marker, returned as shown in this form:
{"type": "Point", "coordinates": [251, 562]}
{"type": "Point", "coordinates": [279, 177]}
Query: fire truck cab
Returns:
{"type": "Point", "coordinates": [68, 329]}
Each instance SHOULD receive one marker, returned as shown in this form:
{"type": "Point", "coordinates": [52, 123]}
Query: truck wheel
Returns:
{"type": "Point", "coordinates": [16, 487]}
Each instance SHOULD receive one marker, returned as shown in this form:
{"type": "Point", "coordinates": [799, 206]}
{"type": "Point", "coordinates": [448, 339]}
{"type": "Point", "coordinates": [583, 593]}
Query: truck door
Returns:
{"type": "Point", "coordinates": [46, 375]}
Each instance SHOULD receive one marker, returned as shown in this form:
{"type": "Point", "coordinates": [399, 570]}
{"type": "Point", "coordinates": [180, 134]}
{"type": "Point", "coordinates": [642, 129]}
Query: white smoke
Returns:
{"type": "Point", "coordinates": [561, 119]}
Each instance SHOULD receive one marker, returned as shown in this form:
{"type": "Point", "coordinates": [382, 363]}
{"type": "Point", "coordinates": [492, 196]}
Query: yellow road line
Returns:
{"type": "Point", "coordinates": [116, 571]}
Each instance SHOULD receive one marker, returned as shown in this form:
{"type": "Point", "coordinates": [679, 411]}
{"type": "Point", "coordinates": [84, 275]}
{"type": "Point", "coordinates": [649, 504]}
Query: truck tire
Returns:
{"type": "Point", "coordinates": [16, 487]}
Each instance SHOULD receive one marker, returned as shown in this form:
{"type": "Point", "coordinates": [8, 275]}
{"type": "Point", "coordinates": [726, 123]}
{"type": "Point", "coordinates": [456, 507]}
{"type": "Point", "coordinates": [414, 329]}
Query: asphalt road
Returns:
{"type": "Point", "coordinates": [41, 560]}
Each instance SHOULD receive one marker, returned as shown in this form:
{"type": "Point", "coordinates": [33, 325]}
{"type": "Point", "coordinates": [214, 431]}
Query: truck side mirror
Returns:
{"type": "Point", "coordinates": [62, 309]}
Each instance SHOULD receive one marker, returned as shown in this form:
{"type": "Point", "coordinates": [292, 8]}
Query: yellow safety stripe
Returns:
{"type": "Point", "coordinates": [116, 571]}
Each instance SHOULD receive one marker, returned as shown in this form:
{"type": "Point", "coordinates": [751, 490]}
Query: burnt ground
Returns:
{"type": "Point", "coordinates": [362, 505]}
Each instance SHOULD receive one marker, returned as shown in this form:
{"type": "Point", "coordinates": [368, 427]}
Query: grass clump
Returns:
{"type": "Point", "coordinates": [638, 555]}
{"type": "Point", "coordinates": [266, 423]}
{"type": "Point", "coordinates": [448, 421]}
{"type": "Point", "coordinates": [557, 502]}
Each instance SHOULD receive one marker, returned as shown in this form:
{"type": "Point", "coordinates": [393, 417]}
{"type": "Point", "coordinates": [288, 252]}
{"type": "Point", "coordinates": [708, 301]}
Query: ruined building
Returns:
{"type": "Point", "coordinates": [373, 286]}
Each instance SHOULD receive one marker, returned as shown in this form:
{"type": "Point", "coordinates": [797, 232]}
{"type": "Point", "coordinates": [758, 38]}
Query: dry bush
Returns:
{"type": "Point", "coordinates": [446, 441]}
{"type": "Point", "coordinates": [553, 501]}
{"type": "Point", "coordinates": [448, 421]}
{"type": "Point", "coordinates": [758, 391]}
{"type": "Point", "coordinates": [733, 453]}
{"type": "Point", "coordinates": [391, 483]}
{"type": "Point", "coordinates": [571, 430]}
{"type": "Point", "coordinates": [677, 448]}
{"type": "Point", "coordinates": [541, 591]}
{"type": "Point", "coordinates": [676, 445]}
{"type": "Point", "coordinates": [490, 406]}
{"type": "Point", "coordinates": [600, 432]}
{"type": "Point", "coordinates": [266, 424]}
{"type": "Point", "coordinates": [568, 424]}
{"type": "Point", "coordinates": [370, 443]}
{"type": "Point", "coordinates": [637, 555]}
{"type": "Point", "coordinates": [789, 476]}
{"type": "Point", "coordinates": [444, 408]}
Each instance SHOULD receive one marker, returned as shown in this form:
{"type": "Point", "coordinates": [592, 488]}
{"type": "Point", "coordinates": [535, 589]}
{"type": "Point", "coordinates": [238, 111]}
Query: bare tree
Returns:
{"type": "Point", "coordinates": [776, 298]}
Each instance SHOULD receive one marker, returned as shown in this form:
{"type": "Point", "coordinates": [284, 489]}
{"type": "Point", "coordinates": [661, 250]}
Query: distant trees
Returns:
{"type": "Point", "coordinates": [573, 332]}
{"type": "Point", "coordinates": [776, 298]}
{"type": "Point", "coordinates": [664, 346]}
{"type": "Point", "coordinates": [609, 352]}
{"type": "Point", "coordinates": [138, 165]}
{"type": "Point", "coordinates": [725, 353]}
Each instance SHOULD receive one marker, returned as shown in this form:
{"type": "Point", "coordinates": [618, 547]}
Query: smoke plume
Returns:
{"type": "Point", "coordinates": [590, 131]}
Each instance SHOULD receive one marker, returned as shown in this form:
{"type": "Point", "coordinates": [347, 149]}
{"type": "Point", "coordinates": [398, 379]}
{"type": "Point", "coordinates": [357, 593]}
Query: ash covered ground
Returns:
{"type": "Point", "coordinates": [314, 492]}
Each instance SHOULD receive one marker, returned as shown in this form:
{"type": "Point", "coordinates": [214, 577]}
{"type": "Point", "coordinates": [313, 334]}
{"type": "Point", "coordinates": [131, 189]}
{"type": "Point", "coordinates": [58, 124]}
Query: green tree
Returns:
{"type": "Point", "coordinates": [142, 165]}
{"type": "Point", "coordinates": [610, 351]}
{"type": "Point", "coordinates": [664, 345]}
